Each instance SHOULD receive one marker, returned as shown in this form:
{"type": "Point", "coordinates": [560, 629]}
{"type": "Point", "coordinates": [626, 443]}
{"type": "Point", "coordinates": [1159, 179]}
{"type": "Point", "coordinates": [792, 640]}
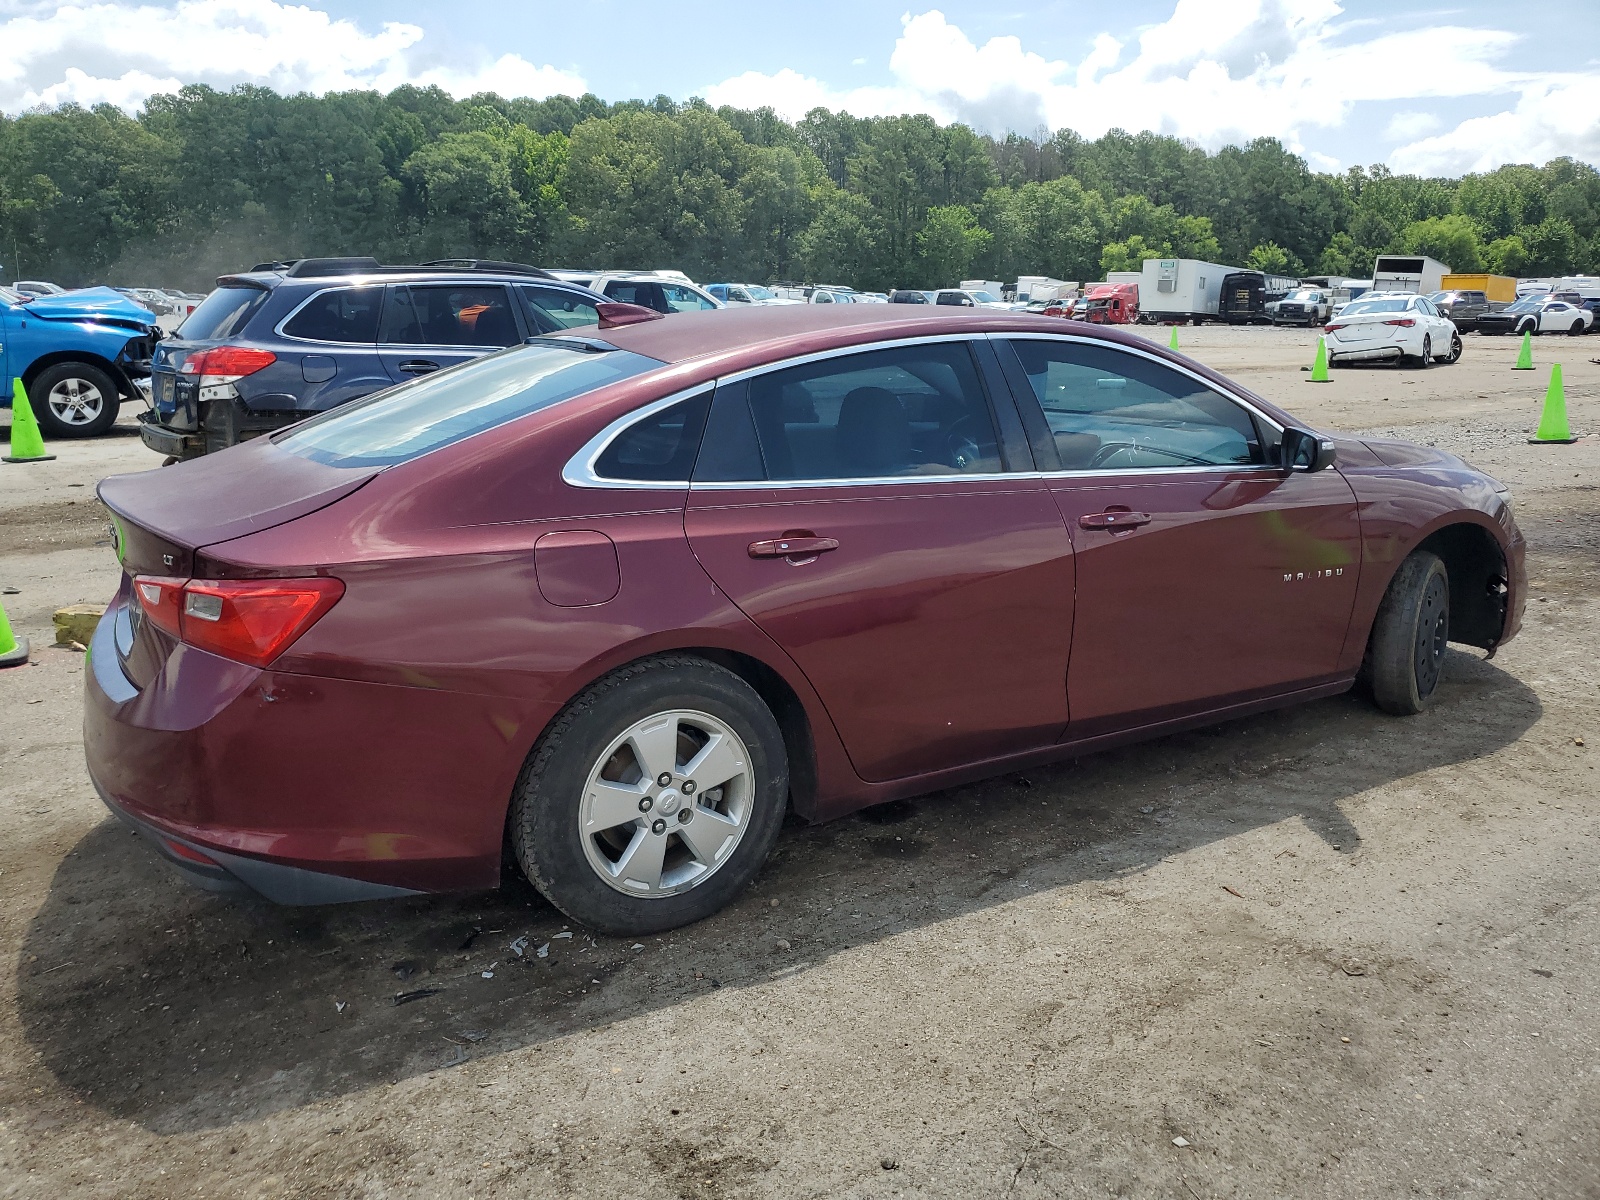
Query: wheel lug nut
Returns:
{"type": "Point", "coordinates": [646, 804]}
{"type": "Point", "coordinates": [684, 814]}
{"type": "Point", "coordinates": [688, 787]}
{"type": "Point", "coordinates": [664, 778]}
{"type": "Point", "coordinates": [659, 826]}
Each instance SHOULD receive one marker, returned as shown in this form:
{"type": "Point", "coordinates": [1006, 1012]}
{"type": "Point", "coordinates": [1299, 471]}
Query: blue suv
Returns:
{"type": "Point", "coordinates": [275, 344]}
{"type": "Point", "coordinates": [79, 354]}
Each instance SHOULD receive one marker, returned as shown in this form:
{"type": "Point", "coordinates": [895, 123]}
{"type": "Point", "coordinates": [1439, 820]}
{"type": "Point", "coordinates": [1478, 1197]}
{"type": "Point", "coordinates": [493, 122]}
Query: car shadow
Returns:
{"type": "Point", "coordinates": [181, 1011]}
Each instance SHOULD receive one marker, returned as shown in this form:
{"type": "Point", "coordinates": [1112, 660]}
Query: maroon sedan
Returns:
{"type": "Point", "coordinates": [617, 600]}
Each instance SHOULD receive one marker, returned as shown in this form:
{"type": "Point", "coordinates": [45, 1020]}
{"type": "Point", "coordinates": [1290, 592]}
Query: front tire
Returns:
{"type": "Point", "coordinates": [74, 400]}
{"type": "Point", "coordinates": [1577, 329]}
{"type": "Point", "coordinates": [1405, 655]}
{"type": "Point", "coordinates": [1455, 350]}
{"type": "Point", "coordinates": [617, 818]}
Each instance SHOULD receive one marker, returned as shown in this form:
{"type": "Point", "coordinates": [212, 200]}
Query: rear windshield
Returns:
{"type": "Point", "coordinates": [223, 314]}
{"type": "Point", "coordinates": [1376, 306]}
{"type": "Point", "coordinates": [440, 409]}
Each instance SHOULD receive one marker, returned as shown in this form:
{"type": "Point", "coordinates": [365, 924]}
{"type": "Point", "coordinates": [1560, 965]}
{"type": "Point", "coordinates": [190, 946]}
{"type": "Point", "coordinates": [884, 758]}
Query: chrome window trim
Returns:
{"type": "Point", "coordinates": [316, 295]}
{"type": "Point", "coordinates": [580, 470]}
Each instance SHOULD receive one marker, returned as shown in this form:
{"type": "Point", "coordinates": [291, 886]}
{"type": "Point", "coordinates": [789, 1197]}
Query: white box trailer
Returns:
{"type": "Point", "coordinates": [993, 286]}
{"type": "Point", "coordinates": [1415, 273]}
{"type": "Point", "coordinates": [1181, 289]}
{"type": "Point", "coordinates": [1042, 287]}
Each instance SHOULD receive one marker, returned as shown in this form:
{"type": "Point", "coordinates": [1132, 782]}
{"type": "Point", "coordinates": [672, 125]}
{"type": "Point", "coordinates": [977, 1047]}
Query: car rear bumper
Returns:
{"type": "Point", "coordinates": [305, 789]}
{"type": "Point", "coordinates": [1364, 353]}
{"type": "Point", "coordinates": [166, 441]}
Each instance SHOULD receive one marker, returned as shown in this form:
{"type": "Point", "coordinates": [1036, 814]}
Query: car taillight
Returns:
{"type": "Point", "coordinates": [1331, 328]}
{"type": "Point", "coordinates": [1403, 322]}
{"type": "Point", "coordinates": [224, 364]}
{"type": "Point", "coordinates": [248, 620]}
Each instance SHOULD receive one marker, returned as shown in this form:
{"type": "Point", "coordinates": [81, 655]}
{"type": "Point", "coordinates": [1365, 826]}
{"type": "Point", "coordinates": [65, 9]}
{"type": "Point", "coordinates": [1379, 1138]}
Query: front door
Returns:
{"type": "Point", "coordinates": [429, 326]}
{"type": "Point", "coordinates": [1206, 574]}
{"type": "Point", "coordinates": [859, 510]}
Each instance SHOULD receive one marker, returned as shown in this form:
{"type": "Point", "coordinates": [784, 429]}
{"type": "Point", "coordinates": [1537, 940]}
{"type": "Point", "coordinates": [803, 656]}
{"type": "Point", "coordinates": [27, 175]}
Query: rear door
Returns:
{"type": "Point", "coordinates": [1206, 574]}
{"type": "Point", "coordinates": [429, 326]}
{"type": "Point", "coordinates": [860, 509]}
{"type": "Point", "coordinates": [334, 337]}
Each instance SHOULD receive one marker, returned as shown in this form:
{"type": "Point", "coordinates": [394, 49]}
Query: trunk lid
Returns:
{"type": "Point", "coordinates": [163, 517]}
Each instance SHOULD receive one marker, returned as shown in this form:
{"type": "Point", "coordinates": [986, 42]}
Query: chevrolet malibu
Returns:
{"type": "Point", "coordinates": [614, 599]}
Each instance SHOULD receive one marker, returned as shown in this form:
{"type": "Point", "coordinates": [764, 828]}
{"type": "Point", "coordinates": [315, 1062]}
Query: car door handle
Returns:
{"type": "Point", "coordinates": [417, 366]}
{"type": "Point", "coordinates": [793, 547]}
{"type": "Point", "coordinates": [1113, 520]}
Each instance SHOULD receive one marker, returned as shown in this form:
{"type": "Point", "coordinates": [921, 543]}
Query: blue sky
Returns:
{"type": "Point", "coordinates": [1443, 89]}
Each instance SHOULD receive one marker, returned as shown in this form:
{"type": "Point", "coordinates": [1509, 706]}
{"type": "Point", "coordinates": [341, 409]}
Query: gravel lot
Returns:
{"type": "Point", "coordinates": [1337, 953]}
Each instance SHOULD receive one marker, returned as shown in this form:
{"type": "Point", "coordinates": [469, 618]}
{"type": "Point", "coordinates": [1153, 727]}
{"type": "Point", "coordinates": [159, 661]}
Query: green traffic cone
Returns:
{"type": "Point", "coordinates": [13, 650]}
{"type": "Point", "coordinates": [1173, 340]}
{"type": "Point", "coordinates": [27, 445]}
{"type": "Point", "coordinates": [1525, 356]}
{"type": "Point", "coordinates": [1319, 369]}
{"type": "Point", "coordinates": [1553, 429]}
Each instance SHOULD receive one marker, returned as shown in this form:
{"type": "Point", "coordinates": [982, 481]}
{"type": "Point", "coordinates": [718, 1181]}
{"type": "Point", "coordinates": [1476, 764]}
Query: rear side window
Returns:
{"type": "Point", "coordinates": [437, 410]}
{"type": "Point", "coordinates": [906, 411]}
{"type": "Point", "coordinates": [661, 448]}
{"type": "Point", "coordinates": [449, 315]}
{"type": "Point", "coordinates": [645, 295]}
{"type": "Point", "coordinates": [1110, 410]}
{"type": "Point", "coordinates": [223, 314]}
{"type": "Point", "coordinates": [555, 309]}
{"type": "Point", "coordinates": [342, 315]}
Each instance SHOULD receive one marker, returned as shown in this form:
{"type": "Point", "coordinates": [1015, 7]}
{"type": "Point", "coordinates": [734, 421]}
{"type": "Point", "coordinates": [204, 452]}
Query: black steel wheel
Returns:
{"type": "Point", "coordinates": [1405, 654]}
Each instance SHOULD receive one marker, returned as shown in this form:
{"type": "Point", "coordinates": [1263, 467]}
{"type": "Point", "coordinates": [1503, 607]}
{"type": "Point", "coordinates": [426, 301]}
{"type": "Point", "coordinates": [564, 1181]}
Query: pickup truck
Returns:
{"type": "Point", "coordinates": [79, 354]}
{"type": "Point", "coordinates": [1462, 307]}
{"type": "Point", "coordinates": [1304, 306]}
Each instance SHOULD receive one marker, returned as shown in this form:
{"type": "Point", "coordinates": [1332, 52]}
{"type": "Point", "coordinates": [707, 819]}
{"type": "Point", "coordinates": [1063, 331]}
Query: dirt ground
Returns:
{"type": "Point", "coordinates": [1336, 953]}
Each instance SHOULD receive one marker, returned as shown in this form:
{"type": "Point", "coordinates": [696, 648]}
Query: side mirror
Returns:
{"type": "Point", "coordinates": [1303, 450]}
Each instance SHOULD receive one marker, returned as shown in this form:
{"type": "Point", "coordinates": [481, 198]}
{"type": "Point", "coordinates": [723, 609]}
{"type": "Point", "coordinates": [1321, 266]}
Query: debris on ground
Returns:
{"type": "Point", "coordinates": [1231, 892]}
{"type": "Point", "coordinates": [404, 969]}
{"type": "Point", "coordinates": [521, 944]}
{"type": "Point", "coordinates": [75, 623]}
{"type": "Point", "coordinates": [415, 994]}
{"type": "Point", "coordinates": [339, 1006]}
{"type": "Point", "coordinates": [782, 944]}
{"type": "Point", "coordinates": [565, 933]}
{"type": "Point", "coordinates": [1180, 1141]}
{"type": "Point", "coordinates": [543, 951]}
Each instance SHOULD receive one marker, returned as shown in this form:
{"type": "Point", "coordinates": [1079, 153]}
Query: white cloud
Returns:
{"type": "Point", "coordinates": [121, 53]}
{"type": "Point", "coordinates": [1547, 122]}
{"type": "Point", "coordinates": [1212, 72]}
{"type": "Point", "coordinates": [1407, 126]}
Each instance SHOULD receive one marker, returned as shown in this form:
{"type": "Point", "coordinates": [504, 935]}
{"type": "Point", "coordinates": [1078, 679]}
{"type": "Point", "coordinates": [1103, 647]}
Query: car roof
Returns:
{"type": "Point", "coordinates": [274, 279]}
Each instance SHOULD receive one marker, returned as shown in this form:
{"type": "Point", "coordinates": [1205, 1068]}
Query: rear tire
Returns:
{"type": "Point", "coordinates": [74, 400]}
{"type": "Point", "coordinates": [1577, 329]}
{"type": "Point", "coordinates": [1422, 361]}
{"type": "Point", "coordinates": [559, 833]}
{"type": "Point", "coordinates": [1405, 654]}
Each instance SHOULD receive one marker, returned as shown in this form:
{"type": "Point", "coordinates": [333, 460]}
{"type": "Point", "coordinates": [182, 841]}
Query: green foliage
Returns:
{"type": "Point", "coordinates": [1451, 239]}
{"type": "Point", "coordinates": [1271, 259]}
{"type": "Point", "coordinates": [203, 182]}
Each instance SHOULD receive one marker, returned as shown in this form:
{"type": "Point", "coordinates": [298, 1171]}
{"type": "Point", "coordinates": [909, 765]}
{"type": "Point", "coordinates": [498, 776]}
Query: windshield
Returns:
{"type": "Point", "coordinates": [443, 408]}
{"type": "Point", "coordinates": [1305, 294]}
{"type": "Point", "coordinates": [1358, 307]}
{"type": "Point", "coordinates": [1523, 306]}
{"type": "Point", "coordinates": [984, 298]}
{"type": "Point", "coordinates": [223, 314]}
{"type": "Point", "coordinates": [12, 297]}
{"type": "Point", "coordinates": [760, 293]}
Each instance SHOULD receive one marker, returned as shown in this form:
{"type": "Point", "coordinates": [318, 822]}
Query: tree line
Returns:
{"type": "Point", "coordinates": [204, 182]}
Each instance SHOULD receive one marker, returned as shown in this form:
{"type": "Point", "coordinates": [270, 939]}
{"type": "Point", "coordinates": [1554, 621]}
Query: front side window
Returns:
{"type": "Point", "coordinates": [556, 309]}
{"type": "Point", "coordinates": [437, 410]}
{"type": "Point", "coordinates": [342, 315]}
{"type": "Point", "coordinates": [907, 411]}
{"type": "Point", "coordinates": [1110, 410]}
{"type": "Point", "coordinates": [684, 299]}
{"type": "Point", "coordinates": [449, 315]}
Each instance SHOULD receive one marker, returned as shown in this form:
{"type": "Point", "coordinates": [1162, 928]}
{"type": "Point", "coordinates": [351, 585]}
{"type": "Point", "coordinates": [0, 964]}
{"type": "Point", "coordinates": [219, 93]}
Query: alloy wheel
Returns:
{"type": "Point", "coordinates": [667, 803]}
{"type": "Point", "coordinates": [75, 401]}
{"type": "Point", "coordinates": [1433, 634]}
